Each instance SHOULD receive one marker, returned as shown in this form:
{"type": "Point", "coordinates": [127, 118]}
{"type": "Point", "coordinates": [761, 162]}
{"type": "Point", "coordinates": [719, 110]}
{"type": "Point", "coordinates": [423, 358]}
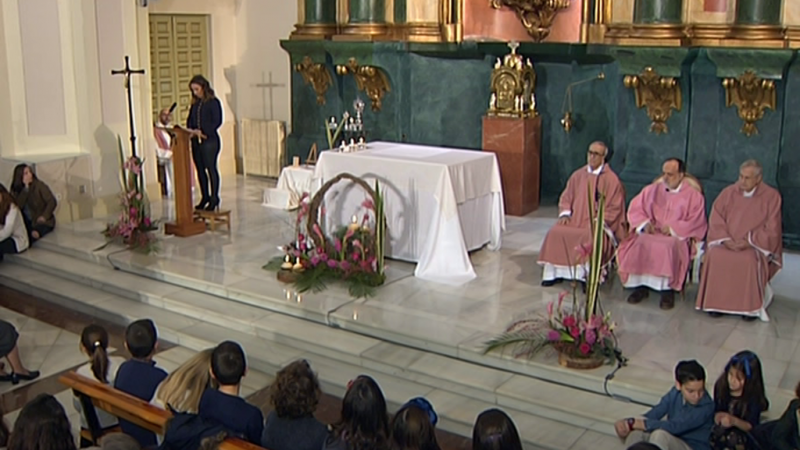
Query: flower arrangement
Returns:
{"type": "Point", "coordinates": [582, 331]}
{"type": "Point", "coordinates": [134, 228]}
{"type": "Point", "coordinates": [353, 253]}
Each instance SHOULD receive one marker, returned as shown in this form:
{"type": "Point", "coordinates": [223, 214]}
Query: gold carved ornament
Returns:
{"type": "Point", "coordinates": [536, 15]}
{"type": "Point", "coordinates": [317, 75]}
{"type": "Point", "coordinates": [512, 86]}
{"type": "Point", "coordinates": [372, 80]}
{"type": "Point", "coordinates": [752, 96]}
{"type": "Point", "coordinates": [660, 95]}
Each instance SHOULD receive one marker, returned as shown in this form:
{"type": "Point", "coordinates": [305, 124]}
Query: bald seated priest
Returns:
{"type": "Point", "coordinates": [559, 256]}
{"type": "Point", "coordinates": [667, 216]}
{"type": "Point", "coordinates": [745, 248]}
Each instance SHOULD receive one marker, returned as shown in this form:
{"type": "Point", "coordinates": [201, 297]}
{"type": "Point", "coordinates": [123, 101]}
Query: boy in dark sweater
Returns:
{"type": "Point", "coordinates": [139, 376]}
{"type": "Point", "coordinates": [224, 406]}
{"type": "Point", "coordinates": [683, 418]}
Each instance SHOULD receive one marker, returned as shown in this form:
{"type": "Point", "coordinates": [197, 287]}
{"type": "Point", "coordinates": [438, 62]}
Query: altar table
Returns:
{"type": "Point", "coordinates": [440, 203]}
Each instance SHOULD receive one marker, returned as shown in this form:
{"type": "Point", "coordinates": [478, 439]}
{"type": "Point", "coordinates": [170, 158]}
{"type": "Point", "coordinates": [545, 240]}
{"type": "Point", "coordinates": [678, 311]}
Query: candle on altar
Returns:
{"type": "Point", "coordinates": [287, 263]}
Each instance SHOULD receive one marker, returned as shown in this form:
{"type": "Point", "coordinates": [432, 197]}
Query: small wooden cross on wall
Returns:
{"type": "Point", "coordinates": [268, 85]}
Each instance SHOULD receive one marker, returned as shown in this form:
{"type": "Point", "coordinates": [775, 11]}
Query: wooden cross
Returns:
{"type": "Point", "coordinates": [267, 85]}
{"type": "Point", "coordinates": [127, 72]}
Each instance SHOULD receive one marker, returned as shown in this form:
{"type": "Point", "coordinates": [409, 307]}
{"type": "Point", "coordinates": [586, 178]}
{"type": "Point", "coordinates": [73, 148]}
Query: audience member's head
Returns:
{"type": "Point", "coordinates": [690, 379]}
{"type": "Point", "coordinates": [94, 342]}
{"type": "Point", "coordinates": [42, 425]}
{"type": "Point", "coordinates": [364, 422]}
{"type": "Point", "coordinates": [295, 392]}
{"type": "Point", "coordinates": [4, 431]}
{"type": "Point", "coordinates": [23, 176]}
{"type": "Point", "coordinates": [212, 442]}
{"type": "Point", "coordinates": [413, 429]}
{"type": "Point", "coordinates": [183, 388]}
{"type": "Point", "coordinates": [644, 446]}
{"type": "Point", "coordinates": [6, 201]}
{"type": "Point", "coordinates": [141, 339]}
{"type": "Point", "coordinates": [119, 441]}
{"type": "Point", "coordinates": [494, 430]}
{"type": "Point", "coordinates": [742, 378]}
{"type": "Point", "coordinates": [228, 364]}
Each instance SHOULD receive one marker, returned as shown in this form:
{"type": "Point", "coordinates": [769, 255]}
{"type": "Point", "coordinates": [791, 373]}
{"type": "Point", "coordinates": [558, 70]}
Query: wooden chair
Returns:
{"type": "Point", "coordinates": [130, 408]}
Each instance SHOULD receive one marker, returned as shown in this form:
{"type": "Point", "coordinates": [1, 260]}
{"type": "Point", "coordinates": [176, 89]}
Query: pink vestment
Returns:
{"type": "Point", "coordinates": [644, 257]}
{"type": "Point", "coordinates": [735, 282]}
{"type": "Point", "coordinates": [560, 246]}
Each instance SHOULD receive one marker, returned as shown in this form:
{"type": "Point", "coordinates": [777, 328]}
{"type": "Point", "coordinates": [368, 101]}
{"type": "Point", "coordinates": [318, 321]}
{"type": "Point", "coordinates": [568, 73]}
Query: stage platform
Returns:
{"type": "Point", "coordinates": [415, 337]}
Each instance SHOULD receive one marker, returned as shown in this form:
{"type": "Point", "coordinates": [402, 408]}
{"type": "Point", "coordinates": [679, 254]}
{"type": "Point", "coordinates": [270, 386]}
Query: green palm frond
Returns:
{"type": "Point", "coordinates": [274, 264]}
{"type": "Point", "coordinates": [526, 341]}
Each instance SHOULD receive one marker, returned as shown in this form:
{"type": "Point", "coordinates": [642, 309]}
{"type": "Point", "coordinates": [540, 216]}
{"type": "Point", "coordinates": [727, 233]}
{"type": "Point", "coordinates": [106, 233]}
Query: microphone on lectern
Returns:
{"type": "Point", "coordinates": [172, 108]}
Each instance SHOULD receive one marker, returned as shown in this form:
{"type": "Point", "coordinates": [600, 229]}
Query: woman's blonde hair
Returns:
{"type": "Point", "coordinates": [183, 388]}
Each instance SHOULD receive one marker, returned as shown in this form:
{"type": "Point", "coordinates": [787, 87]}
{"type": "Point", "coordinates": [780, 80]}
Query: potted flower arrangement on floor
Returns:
{"type": "Point", "coordinates": [134, 228]}
{"type": "Point", "coordinates": [581, 333]}
{"type": "Point", "coordinates": [353, 253]}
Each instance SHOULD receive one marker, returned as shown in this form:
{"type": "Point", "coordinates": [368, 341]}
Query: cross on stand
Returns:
{"type": "Point", "coordinates": [267, 85]}
{"type": "Point", "coordinates": [127, 72]}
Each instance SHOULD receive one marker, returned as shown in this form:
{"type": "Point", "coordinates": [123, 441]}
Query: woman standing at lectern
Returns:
{"type": "Point", "coordinates": [205, 118]}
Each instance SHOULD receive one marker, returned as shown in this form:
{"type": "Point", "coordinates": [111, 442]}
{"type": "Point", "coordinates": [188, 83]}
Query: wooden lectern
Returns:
{"type": "Point", "coordinates": [185, 224]}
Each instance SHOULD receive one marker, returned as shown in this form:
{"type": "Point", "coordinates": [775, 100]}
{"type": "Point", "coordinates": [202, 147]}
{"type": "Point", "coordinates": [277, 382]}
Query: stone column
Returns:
{"type": "Point", "coordinates": [758, 12]}
{"type": "Point", "coordinates": [658, 11]}
{"type": "Point", "coordinates": [367, 11]}
{"type": "Point", "coordinates": [320, 12]}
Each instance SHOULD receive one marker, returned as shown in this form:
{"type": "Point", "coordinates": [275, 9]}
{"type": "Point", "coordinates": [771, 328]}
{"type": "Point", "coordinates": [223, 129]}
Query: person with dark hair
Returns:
{"type": "Point", "coordinates": [494, 430]}
{"type": "Point", "coordinates": [413, 427]}
{"type": "Point", "coordinates": [139, 375]}
{"type": "Point", "coordinates": [223, 405]}
{"type": "Point", "coordinates": [683, 418]}
{"type": "Point", "coordinates": [740, 399]}
{"type": "Point", "coordinates": [205, 118]}
{"type": "Point", "coordinates": [10, 351]}
{"type": "Point", "coordinates": [784, 433]}
{"type": "Point", "coordinates": [13, 232]}
{"type": "Point", "coordinates": [42, 425]}
{"type": "Point", "coordinates": [36, 201]}
{"type": "Point", "coordinates": [118, 441]}
{"type": "Point", "coordinates": [667, 216]}
{"type": "Point", "coordinates": [102, 368]}
{"type": "Point", "coordinates": [291, 425]}
{"type": "Point", "coordinates": [363, 423]}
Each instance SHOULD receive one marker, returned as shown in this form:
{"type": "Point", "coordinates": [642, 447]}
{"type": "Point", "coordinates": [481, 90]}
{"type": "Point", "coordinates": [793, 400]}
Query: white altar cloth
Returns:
{"type": "Point", "coordinates": [440, 203]}
{"type": "Point", "coordinates": [292, 184]}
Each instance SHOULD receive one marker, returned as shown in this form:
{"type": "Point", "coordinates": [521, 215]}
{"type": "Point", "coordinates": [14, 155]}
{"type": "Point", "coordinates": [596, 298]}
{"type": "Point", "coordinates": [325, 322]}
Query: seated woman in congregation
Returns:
{"type": "Point", "coordinates": [294, 394]}
{"type": "Point", "coordinates": [10, 351]}
{"type": "Point", "coordinates": [364, 423]}
{"type": "Point", "coordinates": [13, 234]}
{"type": "Point", "coordinates": [43, 425]}
{"type": "Point", "coordinates": [494, 430]}
{"type": "Point", "coordinates": [413, 427]}
{"type": "Point", "coordinates": [36, 201]}
{"type": "Point", "coordinates": [183, 388]}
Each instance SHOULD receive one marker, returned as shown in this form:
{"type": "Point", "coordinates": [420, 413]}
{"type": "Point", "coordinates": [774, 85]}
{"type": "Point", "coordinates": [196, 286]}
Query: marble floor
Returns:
{"type": "Point", "coordinates": [461, 318]}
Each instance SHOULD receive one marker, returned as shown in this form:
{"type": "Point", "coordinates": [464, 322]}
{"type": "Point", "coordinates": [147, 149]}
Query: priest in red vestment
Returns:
{"type": "Point", "coordinates": [667, 216]}
{"type": "Point", "coordinates": [745, 248]}
{"type": "Point", "coordinates": [560, 255]}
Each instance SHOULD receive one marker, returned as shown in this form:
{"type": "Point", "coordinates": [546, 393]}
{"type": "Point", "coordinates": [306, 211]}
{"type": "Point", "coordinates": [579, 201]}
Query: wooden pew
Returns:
{"type": "Point", "coordinates": [132, 409]}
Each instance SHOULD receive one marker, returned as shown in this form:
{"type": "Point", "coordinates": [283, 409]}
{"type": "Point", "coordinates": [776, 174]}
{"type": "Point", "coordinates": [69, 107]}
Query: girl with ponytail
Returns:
{"type": "Point", "coordinates": [101, 368]}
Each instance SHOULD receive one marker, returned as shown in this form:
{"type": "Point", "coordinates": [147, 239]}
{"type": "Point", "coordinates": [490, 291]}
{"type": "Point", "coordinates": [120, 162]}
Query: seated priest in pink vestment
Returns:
{"type": "Point", "coordinates": [745, 248]}
{"type": "Point", "coordinates": [667, 216]}
{"type": "Point", "coordinates": [560, 253]}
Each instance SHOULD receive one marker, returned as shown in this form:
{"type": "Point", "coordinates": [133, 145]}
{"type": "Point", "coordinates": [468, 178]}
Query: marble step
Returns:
{"type": "Point", "coordinates": [587, 410]}
{"type": "Point", "coordinates": [457, 410]}
{"type": "Point", "coordinates": [334, 307]}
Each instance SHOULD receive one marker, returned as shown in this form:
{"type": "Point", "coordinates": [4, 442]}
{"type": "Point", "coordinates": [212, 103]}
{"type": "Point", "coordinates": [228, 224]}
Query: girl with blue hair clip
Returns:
{"type": "Point", "coordinates": [740, 399]}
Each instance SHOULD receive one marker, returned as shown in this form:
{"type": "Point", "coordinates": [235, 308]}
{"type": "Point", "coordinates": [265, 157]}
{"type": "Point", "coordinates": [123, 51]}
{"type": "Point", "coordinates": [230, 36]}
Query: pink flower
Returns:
{"type": "Point", "coordinates": [344, 265]}
{"type": "Point", "coordinates": [147, 222]}
{"type": "Point", "coordinates": [365, 220]}
{"type": "Point", "coordinates": [323, 256]}
{"type": "Point", "coordinates": [301, 237]}
{"type": "Point", "coordinates": [584, 348]}
{"type": "Point", "coordinates": [315, 260]}
{"type": "Point", "coordinates": [550, 309]}
{"type": "Point", "coordinates": [365, 265]}
{"type": "Point", "coordinates": [561, 298]}
{"type": "Point", "coordinates": [337, 244]}
{"type": "Point", "coordinates": [368, 203]}
{"type": "Point", "coordinates": [356, 256]}
{"type": "Point", "coordinates": [350, 232]}
{"type": "Point", "coordinates": [574, 332]}
{"type": "Point", "coordinates": [595, 322]}
{"type": "Point", "coordinates": [332, 264]}
{"type": "Point", "coordinates": [357, 244]}
{"type": "Point", "coordinates": [138, 196]}
{"type": "Point", "coordinates": [590, 336]}
{"type": "Point", "coordinates": [318, 231]}
{"type": "Point", "coordinates": [570, 321]}
{"type": "Point", "coordinates": [553, 336]}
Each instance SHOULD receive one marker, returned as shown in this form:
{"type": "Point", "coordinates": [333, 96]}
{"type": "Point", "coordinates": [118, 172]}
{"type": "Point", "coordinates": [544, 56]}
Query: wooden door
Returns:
{"type": "Point", "coordinates": [179, 50]}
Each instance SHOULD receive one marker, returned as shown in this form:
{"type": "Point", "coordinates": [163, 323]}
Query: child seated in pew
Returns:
{"type": "Point", "coordinates": [139, 376]}
{"type": "Point", "coordinates": [102, 368]}
{"type": "Point", "coordinates": [223, 405]}
{"type": "Point", "coordinates": [182, 389]}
